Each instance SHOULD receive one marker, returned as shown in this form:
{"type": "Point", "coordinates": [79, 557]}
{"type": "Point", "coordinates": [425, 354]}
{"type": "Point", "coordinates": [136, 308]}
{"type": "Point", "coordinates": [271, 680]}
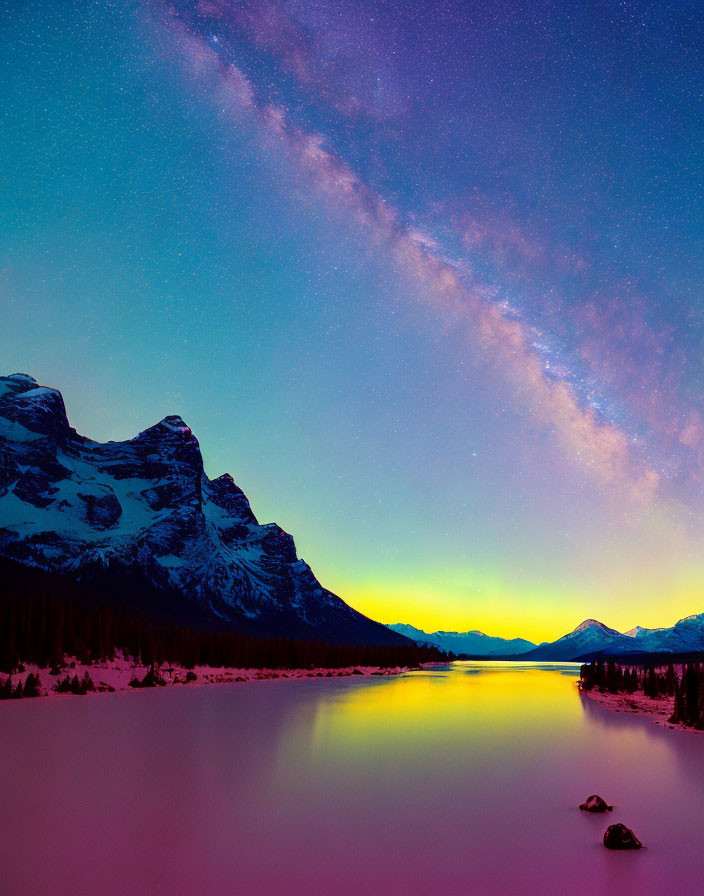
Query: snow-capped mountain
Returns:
{"type": "Point", "coordinates": [589, 636]}
{"type": "Point", "coordinates": [473, 643]}
{"type": "Point", "coordinates": [685, 635]}
{"type": "Point", "coordinates": [145, 508]}
{"type": "Point", "coordinates": [592, 637]}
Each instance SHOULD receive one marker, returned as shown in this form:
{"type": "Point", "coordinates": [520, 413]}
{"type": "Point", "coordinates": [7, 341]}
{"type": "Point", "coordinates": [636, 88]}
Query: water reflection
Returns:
{"type": "Point", "coordinates": [462, 779]}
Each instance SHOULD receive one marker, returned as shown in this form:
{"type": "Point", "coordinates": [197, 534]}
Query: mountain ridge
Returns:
{"type": "Point", "coordinates": [589, 638]}
{"type": "Point", "coordinates": [592, 637]}
{"type": "Point", "coordinates": [145, 508]}
{"type": "Point", "coordinates": [472, 642]}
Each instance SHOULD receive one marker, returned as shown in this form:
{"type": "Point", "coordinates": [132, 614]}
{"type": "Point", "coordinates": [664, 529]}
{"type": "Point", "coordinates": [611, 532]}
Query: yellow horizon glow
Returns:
{"type": "Point", "coordinates": [537, 615]}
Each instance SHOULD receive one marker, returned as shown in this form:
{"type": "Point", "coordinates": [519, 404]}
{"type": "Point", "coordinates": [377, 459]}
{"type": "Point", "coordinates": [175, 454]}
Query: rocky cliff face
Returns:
{"type": "Point", "coordinates": [145, 507]}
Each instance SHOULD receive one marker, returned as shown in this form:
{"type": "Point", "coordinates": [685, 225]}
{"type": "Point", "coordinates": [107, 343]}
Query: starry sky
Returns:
{"type": "Point", "coordinates": [426, 278]}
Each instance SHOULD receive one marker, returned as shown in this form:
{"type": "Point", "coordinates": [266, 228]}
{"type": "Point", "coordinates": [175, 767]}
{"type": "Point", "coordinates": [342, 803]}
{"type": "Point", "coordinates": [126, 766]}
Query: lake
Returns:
{"type": "Point", "coordinates": [460, 779]}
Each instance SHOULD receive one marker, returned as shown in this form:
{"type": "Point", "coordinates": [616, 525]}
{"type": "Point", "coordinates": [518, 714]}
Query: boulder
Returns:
{"type": "Point", "coordinates": [595, 803]}
{"type": "Point", "coordinates": [618, 836]}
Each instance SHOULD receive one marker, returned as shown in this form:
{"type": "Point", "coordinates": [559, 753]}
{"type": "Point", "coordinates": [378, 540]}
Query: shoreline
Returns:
{"type": "Point", "coordinates": [658, 710]}
{"type": "Point", "coordinates": [113, 676]}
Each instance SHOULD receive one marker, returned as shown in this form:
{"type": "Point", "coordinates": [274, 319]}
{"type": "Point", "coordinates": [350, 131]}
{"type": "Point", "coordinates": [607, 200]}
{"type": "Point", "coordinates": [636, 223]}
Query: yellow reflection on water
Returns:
{"type": "Point", "coordinates": [469, 701]}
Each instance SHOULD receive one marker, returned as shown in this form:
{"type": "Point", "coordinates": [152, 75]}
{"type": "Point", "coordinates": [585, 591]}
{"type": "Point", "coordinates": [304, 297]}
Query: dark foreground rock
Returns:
{"type": "Point", "coordinates": [618, 836]}
{"type": "Point", "coordinates": [595, 803]}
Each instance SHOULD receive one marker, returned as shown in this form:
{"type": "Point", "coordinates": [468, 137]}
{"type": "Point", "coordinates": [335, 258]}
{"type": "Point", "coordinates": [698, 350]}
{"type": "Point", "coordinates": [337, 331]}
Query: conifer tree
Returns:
{"type": "Point", "coordinates": [678, 712]}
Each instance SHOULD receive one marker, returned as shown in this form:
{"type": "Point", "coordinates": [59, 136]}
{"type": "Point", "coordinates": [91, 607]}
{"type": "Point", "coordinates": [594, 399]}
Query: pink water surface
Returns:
{"type": "Point", "coordinates": [459, 780]}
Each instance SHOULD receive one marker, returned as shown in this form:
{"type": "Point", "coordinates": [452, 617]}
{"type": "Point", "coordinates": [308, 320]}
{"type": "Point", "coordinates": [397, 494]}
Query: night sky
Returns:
{"type": "Point", "coordinates": [425, 277]}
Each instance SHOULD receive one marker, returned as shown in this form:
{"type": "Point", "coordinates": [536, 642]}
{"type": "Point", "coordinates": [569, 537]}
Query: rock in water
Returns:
{"type": "Point", "coordinates": [595, 803]}
{"type": "Point", "coordinates": [618, 836]}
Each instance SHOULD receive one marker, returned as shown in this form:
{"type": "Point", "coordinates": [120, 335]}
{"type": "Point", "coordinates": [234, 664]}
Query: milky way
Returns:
{"type": "Point", "coordinates": [426, 277]}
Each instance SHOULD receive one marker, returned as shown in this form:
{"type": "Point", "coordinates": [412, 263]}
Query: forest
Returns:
{"type": "Point", "coordinates": [43, 621]}
{"type": "Point", "coordinates": [684, 683]}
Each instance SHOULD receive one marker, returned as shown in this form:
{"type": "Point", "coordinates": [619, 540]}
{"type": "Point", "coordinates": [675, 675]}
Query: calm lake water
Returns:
{"type": "Point", "coordinates": [462, 779]}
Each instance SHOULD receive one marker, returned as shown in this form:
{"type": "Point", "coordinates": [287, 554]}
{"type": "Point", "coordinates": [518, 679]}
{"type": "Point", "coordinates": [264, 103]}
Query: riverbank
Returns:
{"type": "Point", "coordinates": [123, 674]}
{"type": "Point", "coordinates": [659, 709]}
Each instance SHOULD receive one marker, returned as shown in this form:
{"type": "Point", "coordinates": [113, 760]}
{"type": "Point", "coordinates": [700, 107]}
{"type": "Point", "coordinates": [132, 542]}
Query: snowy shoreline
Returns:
{"type": "Point", "coordinates": [658, 710]}
{"type": "Point", "coordinates": [115, 675]}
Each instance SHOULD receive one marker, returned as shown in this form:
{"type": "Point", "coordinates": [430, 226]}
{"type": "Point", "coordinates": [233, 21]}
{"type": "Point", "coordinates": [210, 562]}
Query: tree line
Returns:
{"type": "Point", "coordinates": [652, 681]}
{"type": "Point", "coordinates": [41, 626]}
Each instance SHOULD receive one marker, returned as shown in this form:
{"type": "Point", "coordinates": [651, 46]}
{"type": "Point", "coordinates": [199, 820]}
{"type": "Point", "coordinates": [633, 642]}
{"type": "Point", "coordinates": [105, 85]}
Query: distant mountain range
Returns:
{"type": "Point", "coordinates": [472, 643]}
{"type": "Point", "coordinates": [141, 521]}
{"type": "Point", "coordinates": [590, 638]}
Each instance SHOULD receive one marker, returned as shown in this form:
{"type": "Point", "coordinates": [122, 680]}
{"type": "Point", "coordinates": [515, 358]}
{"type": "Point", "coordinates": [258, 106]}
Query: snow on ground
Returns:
{"type": "Point", "coordinates": [115, 675]}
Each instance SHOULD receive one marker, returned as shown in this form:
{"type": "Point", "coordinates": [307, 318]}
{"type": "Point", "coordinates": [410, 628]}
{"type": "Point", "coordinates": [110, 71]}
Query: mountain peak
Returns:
{"type": "Point", "coordinates": [175, 423]}
{"type": "Point", "coordinates": [39, 409]}
{"type": "Point", "coordinates": [591, 623]}
{"type": "Point", "coordinates": [171, 430]}
{"type": "Point", "coordinates": [142, 512]}
{"type": "Point", "coordinates": [694, 617]}
{"type": "Point", "coordinates": [22, 377]}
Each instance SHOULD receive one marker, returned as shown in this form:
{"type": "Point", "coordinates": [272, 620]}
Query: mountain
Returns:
{"type": "Point", "coordinates": [141, 520]}
{"type": "Point", "coordinates": [592, 637]}
{"type": "Point", "coordinates": [472, 643]}
{"type": "Point", "coordinates": [684, 636]}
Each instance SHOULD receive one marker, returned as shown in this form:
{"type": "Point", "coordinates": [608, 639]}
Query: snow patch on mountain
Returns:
{"type": "Point", "coordinates": [70, 505]}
